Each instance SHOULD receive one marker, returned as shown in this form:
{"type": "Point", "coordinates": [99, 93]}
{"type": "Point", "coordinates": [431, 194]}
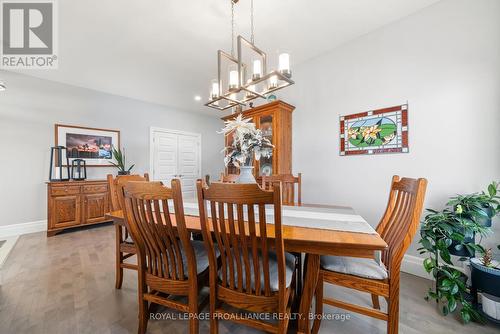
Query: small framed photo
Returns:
{"type": "Point", "coordinates": [93, 145]}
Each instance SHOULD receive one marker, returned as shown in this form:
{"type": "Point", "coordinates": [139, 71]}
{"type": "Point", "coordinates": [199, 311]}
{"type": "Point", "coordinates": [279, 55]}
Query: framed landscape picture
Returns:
{"type": "Point", "coordinates": [91, 144]}
{"type": "Point", "coordinates": [375, 132]}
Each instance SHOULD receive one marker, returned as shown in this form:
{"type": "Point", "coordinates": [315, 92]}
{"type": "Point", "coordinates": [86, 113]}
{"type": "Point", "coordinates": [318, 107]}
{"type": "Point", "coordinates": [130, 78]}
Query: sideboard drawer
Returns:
{"type": "Point", "coordinates": [96, 188]}
{"type": "Point", "coordinates": [65, 190]}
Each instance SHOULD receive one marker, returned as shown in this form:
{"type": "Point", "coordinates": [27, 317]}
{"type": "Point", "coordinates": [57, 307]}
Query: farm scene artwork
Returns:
{"type": "Point", "coordinates": [375, 132]}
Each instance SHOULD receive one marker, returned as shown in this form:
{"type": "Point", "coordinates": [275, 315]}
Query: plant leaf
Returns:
{"type": "Point", "coordinates": [465, 315]}
{"type": "Point", "coordinates": [492, 189]}
{"type": "Point", "coordinates": [452, 304]}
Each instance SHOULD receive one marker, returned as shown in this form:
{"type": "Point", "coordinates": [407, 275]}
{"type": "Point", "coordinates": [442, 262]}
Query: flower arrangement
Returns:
{"type": "Point", "coordinates": [248, 142]}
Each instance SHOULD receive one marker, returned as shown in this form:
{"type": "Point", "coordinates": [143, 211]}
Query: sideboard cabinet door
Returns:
{"type": "Point", "coordinates": [65, 211]}
{"type": "Point", "coordinates": [95, 207]}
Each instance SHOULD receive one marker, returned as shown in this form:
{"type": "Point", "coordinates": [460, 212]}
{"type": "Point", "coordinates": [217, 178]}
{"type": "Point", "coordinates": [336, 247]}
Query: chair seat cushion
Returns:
{"type": "Point", "coordinates": [200, 254]}
{"type": "Point", "coordinates": [367, 268]}
{"type": "Point", "coordinates": [273, 271]}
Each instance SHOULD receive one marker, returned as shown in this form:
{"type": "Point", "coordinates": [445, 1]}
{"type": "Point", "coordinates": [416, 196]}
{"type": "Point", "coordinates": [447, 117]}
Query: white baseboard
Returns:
{"type": "Point", "coordinates": [5, 249]}
{"type": "Point", "coordinates": [23, 228]}
{"type": "Point", "coordinates": [414, 265]}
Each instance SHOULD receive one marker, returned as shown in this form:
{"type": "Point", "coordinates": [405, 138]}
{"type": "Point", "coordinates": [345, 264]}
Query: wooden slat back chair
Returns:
{"type": "Point", "coordinates": [124, 245]}
{"type": "Point", "coordinates": [263, 285]}
{"type": "Point", "coordinates": [288, 182]}
{"type": "Point", "coordinates": [397, 227]}
{"type": "Point", "coordinates": [229, 178]}
{"type": "Point", "coordinates": [170, 263]}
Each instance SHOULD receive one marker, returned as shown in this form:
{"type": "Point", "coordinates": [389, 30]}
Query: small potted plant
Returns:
{"type": "Point", "coordinates": [248, 143]}
{"type": "Point", "coordinates": [485, 274]}
{"type": "Point", "coordinates": [119, 163]}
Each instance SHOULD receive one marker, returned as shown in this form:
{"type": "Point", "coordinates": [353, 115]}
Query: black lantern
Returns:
{"type": "Point", "coordinates": [58, 171]}
{"type": "Point", "coordinates": [78, 169]}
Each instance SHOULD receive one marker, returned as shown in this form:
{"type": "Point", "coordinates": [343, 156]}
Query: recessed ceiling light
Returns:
{"type": "Point", "coordinates": [197, 98]}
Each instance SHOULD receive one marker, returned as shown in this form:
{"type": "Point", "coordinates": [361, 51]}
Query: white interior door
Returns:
{"type": "Point", "coordinates": [176, 155]}
{"type": "Point", "coordinates": [165, 157]}
{"type": "Point", "coordinates": [188, 152]}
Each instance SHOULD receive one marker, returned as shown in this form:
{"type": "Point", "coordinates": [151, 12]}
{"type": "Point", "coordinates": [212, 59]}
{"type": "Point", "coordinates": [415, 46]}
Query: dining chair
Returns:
{"type": "Point", "coordinates": [169, 262]}
{"type": "Point", "coordinates": [397, 227]}
{"type": "Point", "coordinates": [124, 246]}
{"type": "Point", "coordinates": [288, 182]}
{"type": "Point", "coordinates": [229, 178]}
{"type": "Point", "coordinates": [255, 273]}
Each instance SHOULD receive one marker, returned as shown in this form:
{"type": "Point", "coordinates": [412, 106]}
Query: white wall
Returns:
{"type": "Point", "coordinates": [30, 107]}
{"type": "Point", "coordinates": [443, 60]}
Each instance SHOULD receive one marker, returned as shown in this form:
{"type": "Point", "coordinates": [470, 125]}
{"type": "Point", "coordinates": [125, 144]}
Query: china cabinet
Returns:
{"type": "Point", "coordinates": [275, 121]}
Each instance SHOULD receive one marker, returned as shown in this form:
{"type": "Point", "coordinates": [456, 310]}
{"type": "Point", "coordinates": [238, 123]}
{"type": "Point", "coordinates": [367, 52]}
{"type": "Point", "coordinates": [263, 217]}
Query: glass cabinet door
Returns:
{"type": "Point", "coordinates": [230, 169]}
{"type": "Point", "coordinates": [266, 125]}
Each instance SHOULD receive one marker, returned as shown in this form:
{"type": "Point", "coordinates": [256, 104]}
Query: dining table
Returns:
{"type": "Point", "coordinates": [310, 229]}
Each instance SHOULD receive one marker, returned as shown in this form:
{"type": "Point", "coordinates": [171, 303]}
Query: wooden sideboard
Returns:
{"type": "Point", "coordinates": [76, 203]}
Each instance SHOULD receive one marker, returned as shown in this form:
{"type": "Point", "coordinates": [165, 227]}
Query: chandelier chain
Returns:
{"type": "Point", "coordinates": [252, 39]}
{"type": "Point", "coordinates": [232, 28]}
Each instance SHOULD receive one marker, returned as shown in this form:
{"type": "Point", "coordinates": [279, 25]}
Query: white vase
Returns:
{"type": "Point", "coordinates": [246, 175]}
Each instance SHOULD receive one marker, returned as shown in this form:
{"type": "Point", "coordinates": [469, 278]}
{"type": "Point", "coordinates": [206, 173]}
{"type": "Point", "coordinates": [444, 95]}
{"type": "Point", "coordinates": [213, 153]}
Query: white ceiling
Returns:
{"type": "Point", "coordinates": [164, 51]}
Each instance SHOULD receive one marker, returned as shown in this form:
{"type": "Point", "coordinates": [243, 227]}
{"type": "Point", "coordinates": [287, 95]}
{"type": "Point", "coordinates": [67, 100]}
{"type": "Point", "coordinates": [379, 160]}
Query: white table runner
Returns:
{"type": "Point", "coordinates": [337, 219]}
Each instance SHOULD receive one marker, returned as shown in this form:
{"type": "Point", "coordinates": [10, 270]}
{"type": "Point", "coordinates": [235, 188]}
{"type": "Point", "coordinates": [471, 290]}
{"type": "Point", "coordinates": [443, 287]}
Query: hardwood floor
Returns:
{"type": "Point", "coordinates": [65, 284]}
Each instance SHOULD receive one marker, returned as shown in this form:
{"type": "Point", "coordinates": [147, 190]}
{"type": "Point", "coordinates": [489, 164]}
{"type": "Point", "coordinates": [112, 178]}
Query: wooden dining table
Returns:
{"type": "Point", "coordinates": [311, 241]}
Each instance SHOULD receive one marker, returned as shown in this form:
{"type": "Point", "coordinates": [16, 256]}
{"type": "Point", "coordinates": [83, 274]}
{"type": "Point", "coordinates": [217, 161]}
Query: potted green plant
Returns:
{"type": "Point", "coordinates": [474, 212]}
{"type": "Point", "coordinates": [481, 207]}
{"type": "Point", "coordinates": [119, 163]}
{"type": "Point", "coordinates": [438, 231]}
{"type": "Point", "coordinates": [452, 231]}
{"type": "Point", "coordinates": [485, 274]}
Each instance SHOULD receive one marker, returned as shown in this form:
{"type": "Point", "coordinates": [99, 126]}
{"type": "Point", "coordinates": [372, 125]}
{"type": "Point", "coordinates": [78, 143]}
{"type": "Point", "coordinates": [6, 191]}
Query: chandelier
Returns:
{"type": "Point", "coordinates": [235, 85]}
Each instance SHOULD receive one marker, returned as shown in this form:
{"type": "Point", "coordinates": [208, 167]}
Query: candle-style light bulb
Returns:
{"type": "Point", "coordinates": [233, 79]}
{"type": "Point", "coordinates": [215, 90]}
{"type": "Point", "coordinates": [257, 69]}
{"type": "Point", "coordinates": [273, 82]}
{"type": "Point", "coordinates": [284, 64]}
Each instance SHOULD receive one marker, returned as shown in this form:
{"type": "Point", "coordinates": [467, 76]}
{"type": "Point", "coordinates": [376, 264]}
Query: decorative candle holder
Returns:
{"type": "Point", "coordinates": [57, 171]}
{"type": "Point", "coordinates": [78, 169]}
